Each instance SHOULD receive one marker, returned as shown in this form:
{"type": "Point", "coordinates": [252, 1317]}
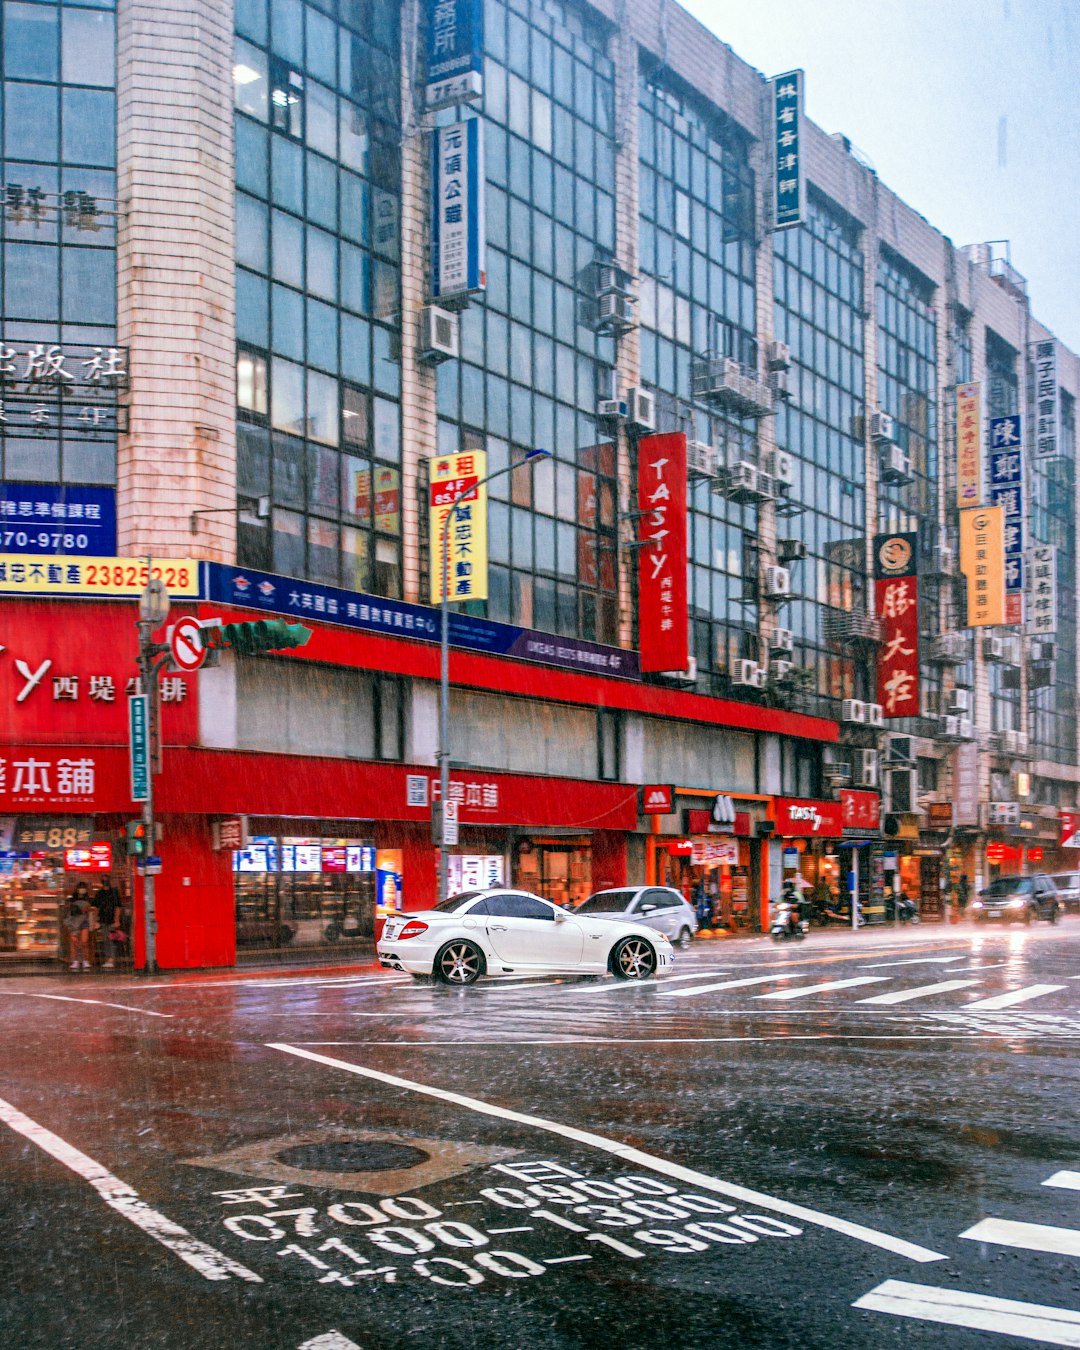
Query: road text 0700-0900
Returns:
{"type": "Point", "coordinates": [565, 1204]}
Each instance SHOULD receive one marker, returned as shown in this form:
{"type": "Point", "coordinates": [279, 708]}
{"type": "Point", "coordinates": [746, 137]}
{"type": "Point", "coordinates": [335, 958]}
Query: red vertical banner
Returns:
{"type": "Point", "coordinates": [896, 595]}
{"type": "Point", "coordinates": [663, 621]}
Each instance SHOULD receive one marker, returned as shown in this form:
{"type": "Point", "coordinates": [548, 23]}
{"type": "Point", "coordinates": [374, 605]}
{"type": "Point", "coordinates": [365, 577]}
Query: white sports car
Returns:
{"type": "Point", "coordinates": [504, 932]}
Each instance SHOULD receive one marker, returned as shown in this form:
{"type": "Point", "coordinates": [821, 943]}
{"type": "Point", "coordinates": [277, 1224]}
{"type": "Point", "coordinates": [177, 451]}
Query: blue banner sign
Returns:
{"type": "Point", "coordinates": [58, 520]}
{"type": "Point", "coordinates": [398, 618]}
{"type": "Point", "coordinates": [457, 210]}
{"type": "Point", "coordinates": [455, 52]}
{"type": "Point", "coordinates": [788, 182]}
{"type": "Point", "coordinates": [1007, 490]}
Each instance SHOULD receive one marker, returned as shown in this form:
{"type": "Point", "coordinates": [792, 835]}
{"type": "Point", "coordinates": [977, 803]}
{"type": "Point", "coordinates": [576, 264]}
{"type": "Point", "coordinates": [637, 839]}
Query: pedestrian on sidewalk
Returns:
{"type": "Point", "coordinates": [106, 901]}
{"type": "Point", "coordinates": [78, 926]}
{"type": "Point", "coordinates": [962, 894]}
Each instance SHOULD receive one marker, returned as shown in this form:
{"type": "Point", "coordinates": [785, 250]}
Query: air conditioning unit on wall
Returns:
{"type": "Point", "coordinates": [440, 335]}
{"type": "Point", "coordinates": [747, 674]}
{"type": "Point", "coordinates": [642, 409]}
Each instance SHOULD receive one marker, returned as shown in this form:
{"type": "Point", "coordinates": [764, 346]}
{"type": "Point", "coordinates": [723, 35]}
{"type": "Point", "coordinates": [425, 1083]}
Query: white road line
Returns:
{"type": "Point", "coordinates": [117, 1194]}
{"type": "Point", "coordinates": [731, 984]}
{"type": "Point", "coordinates": [632, 1156]}
{"type": "Point", "coordinates": [1011, 999]}
{"type": "Point", "coordinates": [981, 1312]}
{"type": "Point", "coordinates": [68, 998]}
{"type": "Point", "coordinates": [1032, 1237]}
{"type": "Point", "coordinates": [560, 1260]}
{"type": "Point", "coordinates": [1070, 1181]}
{"type": "Point", "coordinates": [606, 987]}
{"type": "Point", "coordinates": [825, 988]}
{"type": "Point", "coordinates": [917, 961]}
{"type": "Point", "coordinates": [280, 982]}
{"type": "Point", "coordinates": [923, 991]}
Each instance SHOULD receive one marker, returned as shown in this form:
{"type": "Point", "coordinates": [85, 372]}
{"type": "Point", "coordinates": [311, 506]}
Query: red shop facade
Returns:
{"type": "Point", "coordinates": [331, 842]}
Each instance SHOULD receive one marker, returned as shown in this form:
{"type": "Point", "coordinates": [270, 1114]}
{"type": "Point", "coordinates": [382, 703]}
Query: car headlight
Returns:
{"type": "Point", "coordinates": [976, 904]}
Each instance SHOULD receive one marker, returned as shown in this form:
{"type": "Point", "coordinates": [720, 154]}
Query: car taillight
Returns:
{"type": "Point", "coordinates": [412, 929]}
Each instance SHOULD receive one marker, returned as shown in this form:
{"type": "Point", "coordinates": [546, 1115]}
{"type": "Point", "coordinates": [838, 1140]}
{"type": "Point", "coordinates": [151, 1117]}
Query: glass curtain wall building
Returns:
{"type": "Point", "coordinates": [818, 278]}
{"type": "Point", "coordinates": [59, 235]}
{"type": "Point", "coordinates": [318, 208]}
{"type": "Point", "coordinates": [698, 294]}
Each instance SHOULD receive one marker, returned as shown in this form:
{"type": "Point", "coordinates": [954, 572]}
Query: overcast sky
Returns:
{"type": "Point", "coordinates": [968, 109]}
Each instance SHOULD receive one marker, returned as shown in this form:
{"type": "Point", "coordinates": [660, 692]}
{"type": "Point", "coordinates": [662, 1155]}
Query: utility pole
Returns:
{"type": "Point", "coordinates": [443, 756]}
{"type": "Point", "coordinates": [153, 611]}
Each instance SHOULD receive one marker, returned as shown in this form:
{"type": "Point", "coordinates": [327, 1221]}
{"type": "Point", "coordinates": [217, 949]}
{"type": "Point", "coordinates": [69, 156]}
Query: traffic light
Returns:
{"type": "Point", "coordinates": [135, 838]}
{"type": "Point", "coordinates": [264, 635]}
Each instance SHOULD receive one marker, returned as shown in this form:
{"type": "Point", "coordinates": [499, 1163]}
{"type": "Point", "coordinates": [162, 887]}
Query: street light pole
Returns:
{"type": "Point", "coordinates": [153, 611]}
{"type": "Point", "coordinates": [443, 756]}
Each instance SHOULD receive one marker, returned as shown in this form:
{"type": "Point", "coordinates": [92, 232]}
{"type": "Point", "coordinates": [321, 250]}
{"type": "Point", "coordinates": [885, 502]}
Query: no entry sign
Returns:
{"type": "Point", "coordinates": [185, 644]}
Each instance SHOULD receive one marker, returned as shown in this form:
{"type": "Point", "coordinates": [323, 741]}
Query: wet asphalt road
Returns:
{"type": "Point", "coordinates": [779, 1147]}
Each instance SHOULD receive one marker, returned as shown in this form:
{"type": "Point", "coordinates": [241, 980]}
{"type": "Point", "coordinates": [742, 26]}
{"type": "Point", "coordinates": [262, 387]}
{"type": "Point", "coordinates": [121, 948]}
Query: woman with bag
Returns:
{"type": "Point", "coordinates": [78, 926]}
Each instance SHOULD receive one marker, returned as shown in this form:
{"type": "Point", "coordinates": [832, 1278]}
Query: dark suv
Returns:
{"type": "Point", "coordinates": [1018, 900]}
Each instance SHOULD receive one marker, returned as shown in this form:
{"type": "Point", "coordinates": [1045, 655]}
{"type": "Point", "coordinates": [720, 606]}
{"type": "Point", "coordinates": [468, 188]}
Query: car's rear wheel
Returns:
{"type": "Point", "coordinates": [459, 963]}
{"type": "Point", "coordinates": [685, 938]}
{"type": "Point", "coordinates": [632, 959]}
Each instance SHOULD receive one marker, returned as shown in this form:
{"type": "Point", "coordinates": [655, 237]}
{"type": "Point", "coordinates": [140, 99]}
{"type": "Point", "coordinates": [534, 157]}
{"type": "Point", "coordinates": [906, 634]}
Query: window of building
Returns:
{"type": "Point", "coordinates": [319, 167]}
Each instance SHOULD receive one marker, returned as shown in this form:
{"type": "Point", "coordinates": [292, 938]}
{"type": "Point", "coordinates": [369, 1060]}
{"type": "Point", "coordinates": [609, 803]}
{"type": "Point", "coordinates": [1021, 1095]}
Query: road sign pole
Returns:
{"type": "Point", "coordinates": [153, 611]}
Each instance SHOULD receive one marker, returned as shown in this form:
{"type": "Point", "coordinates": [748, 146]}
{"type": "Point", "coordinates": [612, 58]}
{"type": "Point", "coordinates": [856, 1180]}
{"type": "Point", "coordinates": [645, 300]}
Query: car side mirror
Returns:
{"type": "Point", "coordinates": [647, 909]}
{"type": "Point", "coordinates": [560, 916]}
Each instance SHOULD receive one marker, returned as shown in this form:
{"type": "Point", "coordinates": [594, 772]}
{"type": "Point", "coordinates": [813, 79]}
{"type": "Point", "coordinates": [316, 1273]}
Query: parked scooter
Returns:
{"type": "Point", "coordinates": [902, 908]}
{"type": "Point", "coordinates": [788, 922]}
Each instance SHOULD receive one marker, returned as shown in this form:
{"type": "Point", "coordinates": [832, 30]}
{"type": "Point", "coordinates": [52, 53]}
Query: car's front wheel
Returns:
{"type": "Point", "coordinates": [685, 938]}
{"type": "Point", "coordinates": [459, 963]}
{"type": "Point", "coordinates": [632, 959]}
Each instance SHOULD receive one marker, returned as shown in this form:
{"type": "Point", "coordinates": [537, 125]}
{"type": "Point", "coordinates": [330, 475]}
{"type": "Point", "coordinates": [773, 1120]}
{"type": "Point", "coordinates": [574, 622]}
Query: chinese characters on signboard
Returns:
{"type": "Point", "coordinates": [896, 595]}
{"type": "Point", "coordinates": [466, 536]}
{"type": "Point", "coordinates": [860, 811]}
{"type": "Point", "coordinates": [45, 388]}
{"type": "Point", "coordinates": [44, 777]}
{"type": "Point", "coordinates": [1070, 829]}
{"type": "Point", "coordinates": [1007, 491]}
{"type": "Point", "coordinates": [457, 210]}
{"type": "Point", "coordinates": [77, 209]}
{"type": "Point", "coordinates": [968, 446]}
{"type": "Point", "coordinates": [788, 192]}
{"type": "Point", "coordinates": [1044, 358]}
{"type": "Point", "coordinates": [49, 518]}
{"type": "Point", "coordinates": [982, 561]}
{"type": "Point", "coordinates": [663, 625]}
{"type": "Point", "coordinates": [55, 575]}
{"type": "Point", "coordinates": [1042, 589]}
{"type": "Point", "coordinates": [455, 48]}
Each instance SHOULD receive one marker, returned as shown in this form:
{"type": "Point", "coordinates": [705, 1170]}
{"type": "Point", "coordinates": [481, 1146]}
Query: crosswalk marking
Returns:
{"type": "Point", "coordinates": [1033, 1237]}
{"type": "Point", "coordinates": [1013, 997]}
{"type": "Point", "coordinates": [734, 984]}
{"type": "Point", "coordinates": [806, 991]}
{"type": "Point", "coordinates": [923, 991]}
{"type": "Point", "coordinates": [981, 1312]}
{"type": "Point", "coordinates": [917, 961]}
{"type": "Point", "coordinates": [1070, 1181]}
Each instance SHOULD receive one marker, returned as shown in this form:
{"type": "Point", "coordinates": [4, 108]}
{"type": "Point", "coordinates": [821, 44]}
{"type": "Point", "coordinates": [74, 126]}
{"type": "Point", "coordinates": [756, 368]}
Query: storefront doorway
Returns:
{"type": "Point", "coordinates": [559, 869]}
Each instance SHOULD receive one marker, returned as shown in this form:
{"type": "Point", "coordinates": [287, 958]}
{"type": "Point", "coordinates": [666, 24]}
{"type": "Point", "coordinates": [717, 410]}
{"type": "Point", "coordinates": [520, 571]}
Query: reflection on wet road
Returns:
{"type": "Point", "coordinates": [832, 1144]}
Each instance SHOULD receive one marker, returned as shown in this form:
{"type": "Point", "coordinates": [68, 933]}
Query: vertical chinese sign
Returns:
{"type": "Point", "coordinates": [455, 52]}
{"type": "Point", "coordinates": [663, 624]}
{"type": "Point", "coordinates": [788, 180]}
{"type": "Point", "coordinates": [896, 596]}
{"type": "Point", "coordinates": [968, 446]}
{"type": "Point", "coordinates": [1007, 491]}
{"type": "Point", "coordinates": [1042, 592]}
{"type": "Point", "coordinates": [982, 561]}
{"type": "Point", "coordinates": [467, 571]}
{"type": "Point", "coordinates": [1044, 358]}
{"type": "Point", "coordinates": [457, 210]}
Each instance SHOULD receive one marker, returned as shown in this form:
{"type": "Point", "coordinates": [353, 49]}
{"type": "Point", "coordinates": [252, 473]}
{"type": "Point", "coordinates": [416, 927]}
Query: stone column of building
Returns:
{"type": "Point", "coordinates": [175, 291]}
{"type": "Point", "coordinates": [418, 415]}
{"type": "Point", "coordinates": [625, 55]}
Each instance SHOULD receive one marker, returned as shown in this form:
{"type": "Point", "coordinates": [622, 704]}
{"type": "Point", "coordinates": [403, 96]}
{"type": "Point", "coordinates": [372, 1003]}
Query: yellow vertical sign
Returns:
{"type": "Point", "coordinates": [968, 446]}
{"type": "Point", "coordinates": [456, 478]}
{"type": "Point", "coordinates": [982, 561]}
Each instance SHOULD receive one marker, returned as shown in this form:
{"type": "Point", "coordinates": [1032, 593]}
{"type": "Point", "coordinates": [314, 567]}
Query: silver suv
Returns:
{"type": "Point", "coordinates": [1068, 889]}
{"type": "Point", "coordinates": [659, 907]}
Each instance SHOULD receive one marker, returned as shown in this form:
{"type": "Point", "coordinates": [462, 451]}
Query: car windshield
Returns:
{"type": "Point", "coordinates": [455, 902]}
{"type": "Point", "coordinates": [607, 902]}
{"type": "Point", "coordinates": [1065, 881]}
{"type": "Point", "coordinates": [1009, 886]}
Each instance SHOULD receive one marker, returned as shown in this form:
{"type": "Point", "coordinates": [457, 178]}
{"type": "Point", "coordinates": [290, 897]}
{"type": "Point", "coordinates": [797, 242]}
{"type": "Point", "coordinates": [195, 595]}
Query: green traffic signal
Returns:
{"type": "Point", "coordinates": [249, 639]}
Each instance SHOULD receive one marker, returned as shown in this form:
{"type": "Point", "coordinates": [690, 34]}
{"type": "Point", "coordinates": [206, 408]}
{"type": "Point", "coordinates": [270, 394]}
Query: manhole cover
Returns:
{"type": "Point", "coordinates": [353, 1155]}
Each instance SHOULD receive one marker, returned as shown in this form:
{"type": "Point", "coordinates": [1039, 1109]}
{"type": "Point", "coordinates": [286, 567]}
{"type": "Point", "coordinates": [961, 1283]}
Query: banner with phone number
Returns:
{"type": "Point", "coordinates": [107, 577]}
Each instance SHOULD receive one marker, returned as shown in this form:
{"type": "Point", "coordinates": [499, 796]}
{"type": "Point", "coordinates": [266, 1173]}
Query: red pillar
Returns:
{"type": "Point", "coordinates": [193, 898]}
{"type": "Point", "coordinates": [608, 859]}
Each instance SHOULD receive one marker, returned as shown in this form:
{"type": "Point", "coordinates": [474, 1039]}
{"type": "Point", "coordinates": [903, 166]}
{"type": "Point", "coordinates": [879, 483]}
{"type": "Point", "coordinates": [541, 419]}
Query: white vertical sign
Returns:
{"type": "Point", "coordinates": [1047, 432]}
{"type": "Point", "coordinates": [1042, 589]}
{"type": "Point", "coordinates": [457, 209]}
